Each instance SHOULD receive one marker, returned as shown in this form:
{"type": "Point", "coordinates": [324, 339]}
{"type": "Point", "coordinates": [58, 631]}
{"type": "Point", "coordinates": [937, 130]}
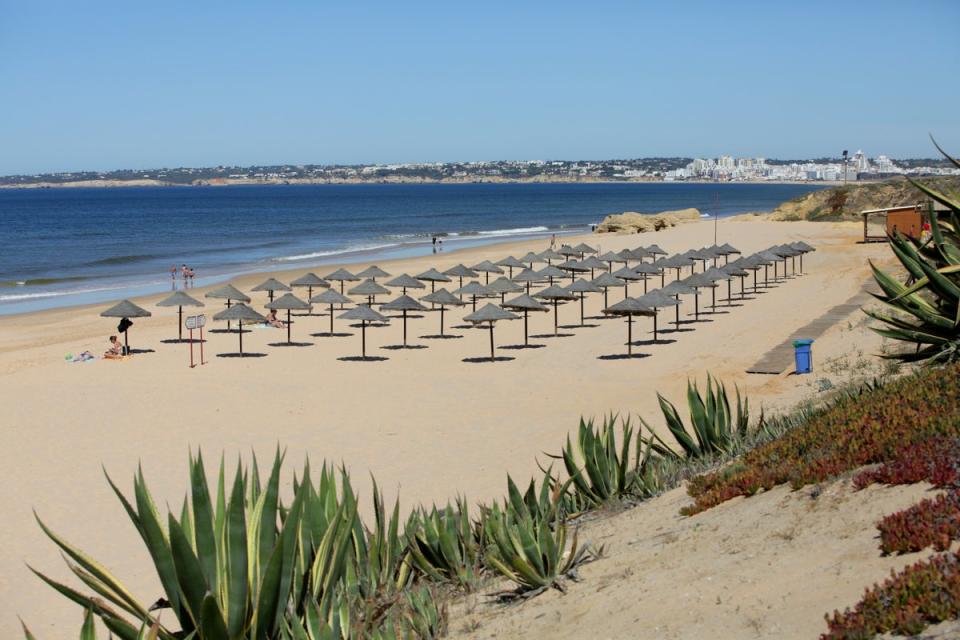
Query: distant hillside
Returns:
{"type": "Point", "coordinates": [848, 201]}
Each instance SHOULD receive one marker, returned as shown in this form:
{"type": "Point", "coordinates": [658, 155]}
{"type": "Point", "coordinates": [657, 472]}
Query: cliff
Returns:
{"type": "Point", "coordinates": [847, 201]}
{"type": "Point", "coordinates": [633, 222]}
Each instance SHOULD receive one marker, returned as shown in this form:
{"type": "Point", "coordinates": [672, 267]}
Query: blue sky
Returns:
{"type": "Point", "coordinates": [134, 85]}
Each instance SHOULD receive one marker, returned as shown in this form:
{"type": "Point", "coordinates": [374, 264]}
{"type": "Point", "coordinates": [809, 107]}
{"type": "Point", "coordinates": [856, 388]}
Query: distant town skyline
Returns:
{"type": "Point", "coordinates": [128, 86]}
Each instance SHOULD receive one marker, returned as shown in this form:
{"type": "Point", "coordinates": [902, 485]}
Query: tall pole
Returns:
{"type": "Point", "coordinates": [491, 342]}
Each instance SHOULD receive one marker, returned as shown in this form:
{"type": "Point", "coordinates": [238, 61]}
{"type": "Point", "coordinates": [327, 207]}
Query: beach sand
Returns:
{"type": "Point", "coordinates": [426, 423]}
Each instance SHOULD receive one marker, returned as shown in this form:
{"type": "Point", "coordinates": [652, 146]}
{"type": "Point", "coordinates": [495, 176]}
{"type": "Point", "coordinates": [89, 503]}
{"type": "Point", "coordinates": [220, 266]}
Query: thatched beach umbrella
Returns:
{"type": "Point", "coordinates": [405, 282]}
{"type": "Point", "coordinates": [241, 313]}
{"type": "Point", "coordinates": [370, 289]}
{"type": "Point", "coordinates": [655, 250]}
{"type": "Point", "coordinates": [554, 295]}
{"type": "Point", "coordinates": [443, 298]}
{"type": "Point", "coordinates": [476, 290]}
{"type": "Point", "coordinates": [628, 275]}
{"type": "Point", "coordinates": [526, 304]}
{"type": "Point", "coordinates": [125, 310]}
{"type": "Point", "coordinates": [461, 272]}
{"type": "Point", "coordinates": [584, 249]}
{"type": "Point", "coordinates": [803, 248]}
{"type": "Point", "coordinates": [657, 300]}
{"type": "Point", "coordinates": [787, 251]}
{"type": "Point", "coordinates": [727, 251]}
{"type": "Point", "coordinates": [403, 304]}
{"type": "Point", "coordinates": [490, 313]}
{"type": "Point", "coordinates": [593, 263]}
{"type": "Point", "coordinates": [486, 267]}
{"type": "Point", "coordinates": [630, 307]}
{"type": "Point", "coordinates": [310, 280]}
{"type": "Point", "coordinates": [609, 257]}
{"type": "Point", "coordinates": [289, 302]}
{"type": "Point", "coordinates": [736, 270]}
{"type": "Point", "coordinates": [678, 262]}
{"type": "Point", "coordinates": [528, 277]}
{"type": "Point", "coordinates": [529, 258]}
{"type": "Point", "coordinates": [341, 276]}
{"type": "Point", "coordinates": [698, 281]}
{"type": "Point", "coordinates": [607, 280]}
{"type": "Point", "coordinates": [270, 285]}
{"type": "Point", "coordinates": [372, 273]}
{"type": "Point", "coordinates": [510, 263]}
{"type": "Point", "coordinates": [573, 267]}
{"type": "Point", "coordinates": [717, 275]}
{"type": "Point", "coordinates": [180, 300]}
{"type": "Point", "coordinates": [550, 272]}
{"type": "Point", "coordinates": [676, 289]}
{"type": "Point", "coordinates": [364, 314]}
{"type": "Point", "coordinates": [752, 263]}
{"type": "Point", "coordinates": [765, 259]}
{"type": "Point", "coordinates": [433, 277]}
{"type": "Point", "coordinates": [550, 255]}
{"type": "Point", "coordinates": [330, 297]}
{"type": "Point", "coordinates": [229, 293]}
{"type": "Point", "coordinates": [647, 269]}
{"type": "Point", "coordinates": [583, 287]}
{"type": "Point", "coordinates": [503, 286]}
{"type": "Point", "coordinates": [567, 251]}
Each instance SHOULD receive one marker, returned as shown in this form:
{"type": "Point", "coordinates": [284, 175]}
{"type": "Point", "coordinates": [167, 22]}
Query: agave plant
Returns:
{"type": "Point", "coordinates": [713, 428]}
{"type": "Point", "coordinates": [928, 310]}
{"type": "Point", "coordinates": [240, 565]}
{"type": "Point", "coordinates": [445, 545]}
{"type": "Point", "coordinates": [529, 549]}
{"type": "Point", "coordinates": [602, 471]}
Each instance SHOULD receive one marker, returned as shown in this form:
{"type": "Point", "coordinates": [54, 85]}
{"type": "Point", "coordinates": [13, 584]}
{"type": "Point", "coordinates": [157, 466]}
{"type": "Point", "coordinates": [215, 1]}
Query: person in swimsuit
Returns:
{"type": "Point", "coordinates": [115, 352]}
{"type": "Point", "coordinates": [274, 321]}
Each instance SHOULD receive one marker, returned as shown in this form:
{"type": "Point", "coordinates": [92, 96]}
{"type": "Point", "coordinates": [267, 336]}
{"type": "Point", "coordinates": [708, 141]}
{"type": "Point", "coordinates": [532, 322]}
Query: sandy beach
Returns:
{"type": "Point", "coordinates": [424, 421]}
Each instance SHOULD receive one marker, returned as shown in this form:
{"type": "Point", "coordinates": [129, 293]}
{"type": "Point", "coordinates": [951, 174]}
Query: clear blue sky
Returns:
{"type": "Point", "coordinates": [133, 85]}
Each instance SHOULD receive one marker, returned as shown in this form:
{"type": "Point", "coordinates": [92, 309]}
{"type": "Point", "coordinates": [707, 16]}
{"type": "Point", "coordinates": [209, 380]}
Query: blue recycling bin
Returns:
{"type": "Point", "coordinates": [803, 355]}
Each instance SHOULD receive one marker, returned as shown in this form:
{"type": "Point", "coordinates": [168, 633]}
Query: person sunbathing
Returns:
{"type": "Point", "coordinates": [274, 321]}
{"type": "Point", "coordinates": [115, 352]}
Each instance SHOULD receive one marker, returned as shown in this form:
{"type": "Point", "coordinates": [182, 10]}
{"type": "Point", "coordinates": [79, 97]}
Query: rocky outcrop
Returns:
{"type": "Point", "coordinates": [633, 222]}
{"type": "Point", "coordinates": [846, 202]}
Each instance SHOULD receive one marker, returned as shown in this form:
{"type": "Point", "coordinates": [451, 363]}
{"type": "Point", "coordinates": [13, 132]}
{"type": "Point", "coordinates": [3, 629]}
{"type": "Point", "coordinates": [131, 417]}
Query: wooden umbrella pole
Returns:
{"type": "Point", "coordinates": [654, 326]}
{"type": "Point", "coordinates": [526, 333]}
{"type": "Point", "coordinates": [729, 292]}
{"type": "Point", "coordinates": [644, 285]}
{"type": "Point", "coordinates": [240, 332]}
{"type": "Point", "coordinates": [442, 309]}
{"type": "Point", "coordinates": [404, 327]}
{"type": "Point", "coordinates": [491, 341]}
{"type": "Point", "coordinates": [555, 314]}
{"type": "Point", "coordinates": [581, 308]}
{"type": "Point", "coordinates": [180, 323]}
{"type": "Point", "coordinates": [288, 327]}
{"type": "Point", "coordinates": [331, 318]}
{"type": "Point", "coordinates": [629, 335]}
{"type": "Point", "coordinates": [363, 338]}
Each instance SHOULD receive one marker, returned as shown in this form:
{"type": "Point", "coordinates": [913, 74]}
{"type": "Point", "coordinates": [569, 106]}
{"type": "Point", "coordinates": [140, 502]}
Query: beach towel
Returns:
{"type": "Point", "coordinates": [86, 356]}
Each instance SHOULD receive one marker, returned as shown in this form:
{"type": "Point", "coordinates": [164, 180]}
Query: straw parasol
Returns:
{"type": "Point", "coordinates": [406, 282]}
{"type": "Point", "coordinates": [752, 263]}
{"type": "Point", "coordinates": [550, 272]}
{"type": "Point", "coordinates": [803, 248]}
{"type": "Point", "coordinates": [593, 263]}
{"type": "Point", "coordinates": [490, 313]}
{"type": "Point", "coordinates": [125, 309]}
{"type": "Point", "coordinates": [404, 304]}
{"type": "Point", "coordinates": [678, 262]}
{"type": "Point", "coordinates": [330, 297]}
{"type": "Point", "coordinates": [474, 289]}
{"type": "Point", "coordinates": [737, 271]}
{"type": "Point", "coordinates": [433, 277]}
{"type": "Point", "coordinates": [630, 307]}
{"type": "Point", "coordinates": [229, 293]}
{"type": "Point", "coordinates": [698, 281]}
{"type": "Point", "coordinates": [341, 276]}
{"type": "Point", "coordinates": [574, 267]}
{"type": "Point", "coordinates": [310, 280]}
{"type": "Point", "coordinates": [657, 300]}
{"type": "Point", "coordinates": [364, 314]}
{"type": "Point", "coordinates": [628, 275]}
{"type": "Point", "coordinates": [529, 258]}
{"type": "Point", "coordinates": [373, 272]}
{"type": "Point", "coordinates": [609, 257]}
{"type": "Point", "coordinates": [640, 253]}
{"type": "Point", "coordinates": [555, 294]}
{"type": "Point", "coordinates": [568, 252]}
{"type": "Point", "coordinates": [510, 263]}
{"type": "Point", "coordinates": [679, 288]}
{"type": "Point", "coordinates": [716, 274]}
{"type": "Point", "coordinates": [486, 267]}
{"type": "Point", "coordinates": [460, 271]}
{"type": "Point", "coordinates": [649, 269]}
{"type": "Point", "coordinates": [526, 304]}
{"type": "Point", "coordinates": [241, 313]}
{"type": "Point", "coordinates": [370, 289]}
{"type": "Point", "coordinates": [503, 286]}
{"type": "Point", "coordinates": [443, 298]}
{"type": "Point", "coordinates": [728, 250]}
{"type": "Point", "coordinates": [180, 300]}
{"type": "Point", "coordinates": [528, 277]}
{"type": "Point", "coordinates": [550, 255]}
{"type": "Point", "coordinates": [289, 302]}
{"type": "Point", "coordinates": [583, 287]}
{"type": "Point", "coordinates": [584, 249]}
{"type": "Point", "coordinates": [607, 280]}
{"type": "Point", "coordinates": [655, 250]}
{"type": "Point", "coordinates": [765, 259]}
{"type": "Point", "coordinates": [270, 285]}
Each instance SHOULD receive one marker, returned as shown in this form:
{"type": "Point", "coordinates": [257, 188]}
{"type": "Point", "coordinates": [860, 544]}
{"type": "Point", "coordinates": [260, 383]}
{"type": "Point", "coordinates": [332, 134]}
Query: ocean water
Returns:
{"type": "Point", "coordinates": [63, 247]}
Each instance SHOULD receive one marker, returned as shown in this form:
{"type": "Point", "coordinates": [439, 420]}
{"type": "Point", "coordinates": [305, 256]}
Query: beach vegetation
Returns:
{"type": "Point", "coordinates": [445, 544]}
{"type": "Point", "coordinates": [924, 311]}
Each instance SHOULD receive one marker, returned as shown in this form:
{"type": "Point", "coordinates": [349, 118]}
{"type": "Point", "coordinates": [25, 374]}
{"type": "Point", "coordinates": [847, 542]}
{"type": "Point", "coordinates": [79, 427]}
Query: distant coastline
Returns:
{"type": "Point", "coordinates": [239, 182]}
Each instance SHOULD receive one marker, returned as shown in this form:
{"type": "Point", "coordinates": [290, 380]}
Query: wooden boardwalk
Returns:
{"type": "Point", "coordinates": [780, 357]}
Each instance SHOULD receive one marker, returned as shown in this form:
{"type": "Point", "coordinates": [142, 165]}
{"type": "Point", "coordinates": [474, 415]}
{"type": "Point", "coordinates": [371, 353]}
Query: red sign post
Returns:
{"type": "Point", "coordinates": [191, 323]}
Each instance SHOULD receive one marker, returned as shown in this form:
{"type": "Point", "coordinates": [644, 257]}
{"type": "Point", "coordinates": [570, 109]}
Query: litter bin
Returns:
{"type": "Point", "coordinates": [803, 355]}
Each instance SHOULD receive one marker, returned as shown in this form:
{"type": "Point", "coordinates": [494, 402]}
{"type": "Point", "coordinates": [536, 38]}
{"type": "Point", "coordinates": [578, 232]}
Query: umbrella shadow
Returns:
{"type": "Point", "coordinates": [579, 326]}
{"type": "Point", "coordinates": [643, 343]}
{"type": "Point", "coordinates": [227, 331]}
{"type": "Point", "coordinates": [245, 354]}
{"type": "Point", "coordinates": [446, 336]}
{"type": "Point", "coordinates": [370, 325]}
{"type": "Point", "coordinates": [327, 334]}
{"type": "Point", "coordinates": [182, 341]}
{"type": "Point", "coordinates": [542, 336]}
{"type": "Point", "coordinates": [481, 360]}
{"type": "Point", "coordinates": [465, 326]}
{"type": "Point", "coordinates": [717, 311]}
{"type": "Point", "coordinates": [624, 356]}
{"type": "Point", "coordinates": [522, 346]}
{"type": "Point", "coordinates": [363, 359]}
{"type": "Point", "coordinates": [134, 352]}
{"type": "Point", "coordinates": [290, 344]}
{"type": "Point", "coordinates": [400, 347]}
{"type": "Point", "coordinates": [677, 330]}
{"type": "Point", "coordinates": [410, 316]}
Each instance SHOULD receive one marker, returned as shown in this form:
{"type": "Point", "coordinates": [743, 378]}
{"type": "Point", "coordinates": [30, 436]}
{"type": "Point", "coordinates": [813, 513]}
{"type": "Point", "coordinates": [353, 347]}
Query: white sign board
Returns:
{"type": "Point", "coordinates": [195, 322]}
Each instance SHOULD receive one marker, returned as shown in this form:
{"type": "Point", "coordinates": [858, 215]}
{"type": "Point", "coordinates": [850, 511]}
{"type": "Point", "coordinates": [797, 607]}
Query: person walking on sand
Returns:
{"type": "Point", "coordinates": [553, 240]}
{"type": "Point", "coordinates": [173, 275]}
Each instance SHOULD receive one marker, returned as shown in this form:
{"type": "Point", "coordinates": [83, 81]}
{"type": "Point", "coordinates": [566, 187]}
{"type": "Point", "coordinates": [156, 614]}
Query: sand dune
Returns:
{"type": "Point", "coordinates": [425, 422]}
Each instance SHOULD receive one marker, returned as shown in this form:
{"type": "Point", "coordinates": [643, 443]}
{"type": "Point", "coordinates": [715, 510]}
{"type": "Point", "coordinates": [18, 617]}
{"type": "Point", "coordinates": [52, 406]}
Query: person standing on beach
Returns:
{"type": "Point", "coordinates": [173, 275]}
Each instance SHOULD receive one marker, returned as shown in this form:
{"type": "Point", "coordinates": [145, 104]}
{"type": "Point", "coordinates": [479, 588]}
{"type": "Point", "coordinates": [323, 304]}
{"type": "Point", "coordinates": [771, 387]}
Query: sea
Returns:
{"type": "Point", "coordinates": [70, 246]}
